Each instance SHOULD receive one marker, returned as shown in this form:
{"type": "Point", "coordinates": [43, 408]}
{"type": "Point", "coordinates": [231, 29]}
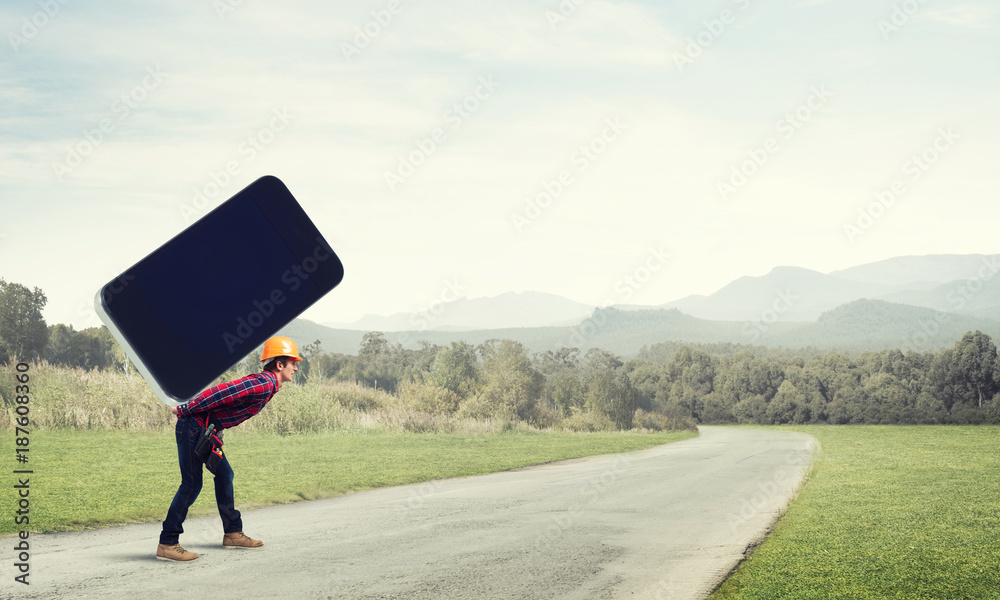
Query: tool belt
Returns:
{"type": "Point", "coordinates": [208, 447]}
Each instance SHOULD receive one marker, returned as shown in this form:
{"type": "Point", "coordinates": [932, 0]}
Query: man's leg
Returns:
{"type": "Point", "coordinates": [186, 433]}
{"type": "Point", "coordinates": [232, 522]}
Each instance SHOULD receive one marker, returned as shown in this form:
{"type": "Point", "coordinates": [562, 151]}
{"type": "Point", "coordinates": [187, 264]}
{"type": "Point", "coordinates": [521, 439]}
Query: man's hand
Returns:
{"type": "Point", "coordinates": [173, 410]}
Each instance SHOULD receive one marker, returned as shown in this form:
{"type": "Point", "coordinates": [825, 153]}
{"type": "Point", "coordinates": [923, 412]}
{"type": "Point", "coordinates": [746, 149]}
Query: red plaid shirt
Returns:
{"type": "Point", "coordinates": [233, 402]}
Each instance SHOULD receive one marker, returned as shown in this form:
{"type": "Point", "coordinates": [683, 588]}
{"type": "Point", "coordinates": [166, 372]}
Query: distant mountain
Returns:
{"type": "Point", "coordinates": [793, 293]}
{"type": "Point", "coordinates": [909, 302]}
{"type": "Point", "coordinates": [856, 326]}
{"type": "Point", "coordinates": [341, 341]}
{"type": "Point", "coordinates": [941, 282]}
{"type": "Point", "coordinates": [877, 325]}
{"type": "Point", "coordinates": [610, 329]}
{"type": "Point", "coordinates": [931, 269]}
{"type": "Point", "coordinates": [526, 309]}
{"type": "Point", "coordinates": [972, 297]}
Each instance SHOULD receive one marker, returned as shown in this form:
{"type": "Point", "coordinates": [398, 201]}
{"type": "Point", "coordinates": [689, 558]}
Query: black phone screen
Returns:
{"type": "Point", "coordinates": [205, 299]}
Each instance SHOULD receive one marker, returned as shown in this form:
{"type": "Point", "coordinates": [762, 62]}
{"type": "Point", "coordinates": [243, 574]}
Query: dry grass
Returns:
{"type": "Point", "coordinates": [74, 399]}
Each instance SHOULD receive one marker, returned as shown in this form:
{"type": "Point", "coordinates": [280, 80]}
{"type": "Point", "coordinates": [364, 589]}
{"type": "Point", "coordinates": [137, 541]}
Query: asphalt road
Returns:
{"type": "Point", "coordinates": [666, 523]}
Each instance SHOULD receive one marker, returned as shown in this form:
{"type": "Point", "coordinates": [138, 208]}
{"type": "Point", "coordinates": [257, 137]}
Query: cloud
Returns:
{"type": "Point", "coordinates": [972, 16]}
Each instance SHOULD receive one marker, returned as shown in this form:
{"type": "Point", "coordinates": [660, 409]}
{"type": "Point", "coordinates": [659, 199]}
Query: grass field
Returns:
{"type": "Point", "coordinates": [890, 512]}
{"type": "Point", "coordinates": [92, 478]}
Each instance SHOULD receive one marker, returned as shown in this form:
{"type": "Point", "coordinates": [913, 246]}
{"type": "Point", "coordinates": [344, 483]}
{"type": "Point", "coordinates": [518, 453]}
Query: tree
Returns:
{"type": "Point", "coordinates": [563, 361]}
{"type": "Point", "coordinates": [377, 362]}
{"type": "Point", "coordinates": [785, 406]}
{"type": "Point", "coordinates": [647, 378]}
{"type": "Point", "coordinates": [600, 360]}
{"type": "Point", "coordinates": [71, 348]}
{"type": "Point", "coordinates": [23, 333]}
{"type": "Point", "coordinates": [511, 386]}
{"type": "Point", "coordinates": [692, 376]}
{"type": "Point", "coordinates": [333, 365]}
{"type": "Point", "coordinates": [566, 392]}
{"type": "Point", "coordinates": [423, 358]}
{"type": "Point", "coordinates": [374, 347]}
{"type": "Point", "coordinates": [610, 393]}
{"type": "Point", "coordinates": [966, 375]}
{"type": "Point", "coordinates": [313, 349]}
{"type": "Point", "coordinates": [308, 353]}
{"type": "Point", "coordinates": [456, 368]}
{"type": "Point", "coordinates": [975, 368]}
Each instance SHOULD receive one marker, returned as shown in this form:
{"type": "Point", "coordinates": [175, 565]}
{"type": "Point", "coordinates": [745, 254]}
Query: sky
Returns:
{"type": "Point", "coordinates": [610, 152]}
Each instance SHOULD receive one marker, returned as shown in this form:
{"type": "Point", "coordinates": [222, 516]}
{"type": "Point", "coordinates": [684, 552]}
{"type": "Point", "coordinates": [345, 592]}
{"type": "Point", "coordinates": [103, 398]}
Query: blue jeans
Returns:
{"type": "Point", "coordinates": [191, 471]}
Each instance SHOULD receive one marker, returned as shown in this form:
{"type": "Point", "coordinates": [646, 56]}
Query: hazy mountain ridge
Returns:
{"type": "Point", "coordinates": [939, 268]}
{"type": "Point", "coordinates": [878, 325]}
{"type": "Point", "coordinates": [918, 303]}
{"type": "Point", "coordinates": [512, 309]}
{"type": "Point", "coordinates": [857, 326]}
{"type": "Point", "coordinates": [940, 282]}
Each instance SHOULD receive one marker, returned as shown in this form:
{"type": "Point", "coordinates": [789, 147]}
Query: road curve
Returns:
{"type": "Point", "coordinates": [664, 523]}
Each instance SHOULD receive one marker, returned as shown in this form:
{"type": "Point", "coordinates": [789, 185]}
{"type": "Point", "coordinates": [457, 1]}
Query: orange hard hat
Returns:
{"type": "Point", "coordinates": [280, 346]}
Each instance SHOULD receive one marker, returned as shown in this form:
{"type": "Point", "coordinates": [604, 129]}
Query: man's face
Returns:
{"type": "Point", "coordinates": [287, 372]}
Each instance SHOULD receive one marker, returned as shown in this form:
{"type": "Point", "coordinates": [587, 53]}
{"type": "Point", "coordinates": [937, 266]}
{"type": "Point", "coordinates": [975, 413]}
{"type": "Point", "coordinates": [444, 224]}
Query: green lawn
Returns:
{"type": "Point", "coordinates": [90, 478]}
{"type": "Point", "coordinates": [890, 512]}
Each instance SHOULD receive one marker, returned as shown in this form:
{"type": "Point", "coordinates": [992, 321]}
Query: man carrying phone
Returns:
{"type": "Point", "coordinates": [225, 405]}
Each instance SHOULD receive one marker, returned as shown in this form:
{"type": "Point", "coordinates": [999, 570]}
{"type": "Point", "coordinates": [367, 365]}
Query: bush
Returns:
{"type": "Point", "coordinates": [76, 399]}
{"type": "Point", "coordinates": [429, 397]}
{"type": "Point", "coordinates": [71, 398]}
{"type": "Point", "coordinates": [482, 407]}
{"type": "Point", "coordinates": [675, 419]}
{"type": "Point", "coordinates": [587, 421]}
{"type": "Point", "coordinates": [679, 419]}
{"type": "Point", "coordinates": [650, 420]}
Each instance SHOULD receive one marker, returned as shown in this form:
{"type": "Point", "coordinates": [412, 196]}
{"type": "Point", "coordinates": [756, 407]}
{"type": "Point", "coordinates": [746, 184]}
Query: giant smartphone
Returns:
{"type": "Point", "coordinates": [215, 292]}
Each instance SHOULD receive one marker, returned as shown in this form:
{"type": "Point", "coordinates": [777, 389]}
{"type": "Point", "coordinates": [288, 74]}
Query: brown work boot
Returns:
{"type": "Point", "coordinates": [239, 540]}
{"type": "Point", "coordinates": [175, 553]}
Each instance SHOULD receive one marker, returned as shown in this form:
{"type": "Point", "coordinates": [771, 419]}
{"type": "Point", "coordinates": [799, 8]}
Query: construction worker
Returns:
{"type": "Point", "coordinates": [225, 405]}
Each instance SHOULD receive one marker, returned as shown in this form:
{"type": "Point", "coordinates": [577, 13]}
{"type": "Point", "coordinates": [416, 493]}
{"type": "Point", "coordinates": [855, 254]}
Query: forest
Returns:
{"type": "Point", "coordinates": [666, 385]}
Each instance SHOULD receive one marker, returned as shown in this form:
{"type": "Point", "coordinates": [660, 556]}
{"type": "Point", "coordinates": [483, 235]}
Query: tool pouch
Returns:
{"type": "Point", "coordinates": [208, 448]}
{"type": "Point", "coordinates": [214, 458]}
